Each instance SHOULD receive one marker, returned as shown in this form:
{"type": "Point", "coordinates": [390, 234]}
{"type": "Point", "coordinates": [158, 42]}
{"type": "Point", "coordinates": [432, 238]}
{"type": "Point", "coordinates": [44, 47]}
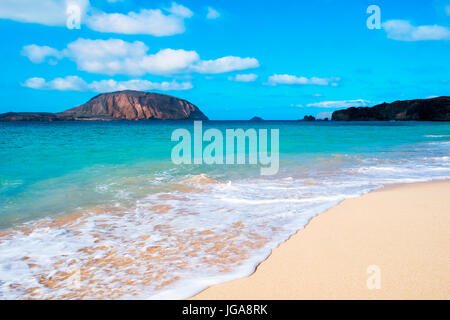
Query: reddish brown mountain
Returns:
{"type": "Point", "coordinates": [121, 105]}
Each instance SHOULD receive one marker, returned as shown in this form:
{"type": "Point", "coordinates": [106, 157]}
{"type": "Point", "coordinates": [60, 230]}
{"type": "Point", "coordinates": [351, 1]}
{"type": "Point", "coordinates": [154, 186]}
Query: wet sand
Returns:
{"type": "Point", "coordinates": [393, 243]}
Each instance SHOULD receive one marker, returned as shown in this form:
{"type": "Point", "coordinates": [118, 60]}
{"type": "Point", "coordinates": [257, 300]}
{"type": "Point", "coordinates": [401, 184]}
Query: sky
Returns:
{"type": "Point", "coordinates": [233, 59]}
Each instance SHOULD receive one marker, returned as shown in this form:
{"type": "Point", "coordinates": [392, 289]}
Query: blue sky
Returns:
{"type": "Point", "coordinates": [233, 59]}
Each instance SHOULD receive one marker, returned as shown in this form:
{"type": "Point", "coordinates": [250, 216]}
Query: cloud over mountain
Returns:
{"type": "Point", "coordinates": [75, 83]}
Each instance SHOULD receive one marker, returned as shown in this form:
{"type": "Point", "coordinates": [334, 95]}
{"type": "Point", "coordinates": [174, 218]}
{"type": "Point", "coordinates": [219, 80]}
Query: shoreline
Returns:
{"type": "Point", "coordinates": [394, 239]}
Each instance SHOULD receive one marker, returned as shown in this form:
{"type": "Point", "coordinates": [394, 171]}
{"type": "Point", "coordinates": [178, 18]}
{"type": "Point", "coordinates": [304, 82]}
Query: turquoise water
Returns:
{"type": "Point", "coordinates": [51, 170]}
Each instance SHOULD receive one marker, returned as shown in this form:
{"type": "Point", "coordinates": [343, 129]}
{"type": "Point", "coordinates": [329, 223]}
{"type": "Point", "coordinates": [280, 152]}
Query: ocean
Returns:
{"type": "Point", "coordinates": [92, 210]}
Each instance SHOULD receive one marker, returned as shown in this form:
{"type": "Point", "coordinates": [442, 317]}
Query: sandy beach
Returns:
{"type": "Point", "coordinates": [393, 243]}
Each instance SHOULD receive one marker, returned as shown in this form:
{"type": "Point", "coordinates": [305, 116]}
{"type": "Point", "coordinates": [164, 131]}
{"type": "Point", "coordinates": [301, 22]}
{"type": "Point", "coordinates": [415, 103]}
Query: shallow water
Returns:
{"type": "Point", "coordinates": [97, 210]}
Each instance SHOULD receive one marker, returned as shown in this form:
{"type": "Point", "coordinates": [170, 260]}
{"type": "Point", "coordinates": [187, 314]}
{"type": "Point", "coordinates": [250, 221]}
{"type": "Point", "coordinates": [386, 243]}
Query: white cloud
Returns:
{"type": "Point", "coordinates": [212, 13]}
{"type": "Point", "coordinates": [35, 83]}
{"type": "Point", "coordinates": [46, 12]}
{"type": "Point", "coordinates": [38, 54]}
{"type": "Point", "coordinates": [153, 22]}
{"type": "Point", "coordinates": [75, 83]}
{"type": "Point", "coordinates": [340, 104]}
{"type": "Point", "coordinates": [403, 30]}
{"type": "Point", "coordinates": [69, 83]}
{"type": "Point", "coordinates": [168, 61]}
{"type": "Point", "coordinates": [54, 13]}
{"type": "Point", "coordinates": [179, 10]}
{"type": "Point", "coordinates": [112, 85]}
{"type": "Point", "coordinates": [115, 56]}
{"type": "Point", "coordinates": [244, 77]}
{"type": "Point", "coordinates": [225, 64]}
{"type": "Point", "coordinates": [294, 80]}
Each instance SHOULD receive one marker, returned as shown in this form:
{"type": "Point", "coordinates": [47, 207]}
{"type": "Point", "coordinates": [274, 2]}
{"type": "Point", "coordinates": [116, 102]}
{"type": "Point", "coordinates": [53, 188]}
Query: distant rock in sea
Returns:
{"type": "Point", "coordinates": [308, 118]}
{"type": "Point", "coordinates": [434, 109]}
{"type": "Point", "coordinates": [256, 119]}
{"type": "Point", "coordinates": [121, 105]}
